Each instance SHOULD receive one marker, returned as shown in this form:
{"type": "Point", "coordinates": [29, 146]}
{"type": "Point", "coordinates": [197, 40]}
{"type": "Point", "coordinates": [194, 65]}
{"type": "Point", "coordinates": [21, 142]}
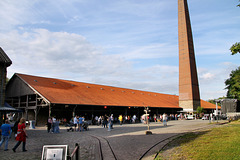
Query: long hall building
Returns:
{"type": "Point", "coordinates": [40, 97]}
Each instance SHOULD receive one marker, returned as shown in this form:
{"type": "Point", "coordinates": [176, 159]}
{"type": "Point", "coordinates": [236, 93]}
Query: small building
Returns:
{"type": "Point", "coordinates": [5, 62]}
{"type": "Point", "coordinates": [41, 97]}
{"type": "Point", "coordinates": [230, 106]}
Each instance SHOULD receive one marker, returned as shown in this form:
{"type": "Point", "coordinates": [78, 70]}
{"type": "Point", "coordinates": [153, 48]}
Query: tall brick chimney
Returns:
{"type": "Point", "coordinates": [4, 63]}
{"type": "Point", "coordinates": [189, 97]}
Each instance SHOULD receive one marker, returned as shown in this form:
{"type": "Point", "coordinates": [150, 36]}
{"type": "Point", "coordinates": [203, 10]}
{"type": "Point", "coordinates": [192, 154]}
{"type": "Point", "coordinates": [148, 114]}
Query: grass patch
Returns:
{"type": "Point", "coordinates": [218, 143]}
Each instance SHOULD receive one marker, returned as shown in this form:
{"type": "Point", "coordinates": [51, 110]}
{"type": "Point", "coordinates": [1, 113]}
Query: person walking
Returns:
{"type": "Point", "coordinates": [15, 128]}
{"type": "Point", "coordinates": [21, 135]}
{"type": "Point", "coordinates": [6, 130]}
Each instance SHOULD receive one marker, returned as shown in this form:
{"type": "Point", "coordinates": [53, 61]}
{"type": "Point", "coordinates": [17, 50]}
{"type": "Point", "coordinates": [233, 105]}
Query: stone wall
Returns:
{"type": "Point", "coordinates": [189, 104]}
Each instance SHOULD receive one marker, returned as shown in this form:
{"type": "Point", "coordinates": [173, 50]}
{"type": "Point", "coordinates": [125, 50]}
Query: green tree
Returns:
{"type": "Point", "coordinates": [200, 110]}
{"type": "Point", "coordinates": [213, 101]}
{"type": "Point", "coordinates": [236, 47]}
{"type": "Point", "coordinates": [233, 84]}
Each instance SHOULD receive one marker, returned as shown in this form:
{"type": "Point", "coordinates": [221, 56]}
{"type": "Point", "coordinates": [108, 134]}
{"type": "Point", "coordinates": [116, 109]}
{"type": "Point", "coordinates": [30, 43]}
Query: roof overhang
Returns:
{"type": "Point", "coordinates": [8, 108]}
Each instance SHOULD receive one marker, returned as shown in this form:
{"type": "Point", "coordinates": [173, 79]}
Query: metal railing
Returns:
{"type": "Point", "coordinates": [75, 153]}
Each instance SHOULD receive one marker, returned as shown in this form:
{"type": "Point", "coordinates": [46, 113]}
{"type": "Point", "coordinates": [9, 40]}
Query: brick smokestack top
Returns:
{"type": "Point", "coordinates": [189, 97]}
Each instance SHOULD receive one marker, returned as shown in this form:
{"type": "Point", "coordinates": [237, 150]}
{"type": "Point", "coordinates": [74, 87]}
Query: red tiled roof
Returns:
{"type": "Point", "coordinates": [70, 92]}
{"type": "Point", "coordinates": [208, 105]}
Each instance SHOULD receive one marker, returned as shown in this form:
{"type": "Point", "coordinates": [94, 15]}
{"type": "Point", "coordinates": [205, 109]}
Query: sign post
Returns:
{"type": "Point", "coordinates": [146, 113]}
{"type": "Point", "coordinates": [55, 152]}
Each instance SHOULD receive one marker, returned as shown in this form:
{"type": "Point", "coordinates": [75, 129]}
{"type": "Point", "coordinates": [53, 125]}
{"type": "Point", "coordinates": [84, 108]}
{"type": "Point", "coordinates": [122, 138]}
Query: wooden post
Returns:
{"type": "Point", "coordinates": [26, 107]}
{"type": "Point", "coordinates": [36, 110]}
{"type": "Point", "coordinates": [49, 112]}
{"type": "Point", "coordinates": [76, 156]}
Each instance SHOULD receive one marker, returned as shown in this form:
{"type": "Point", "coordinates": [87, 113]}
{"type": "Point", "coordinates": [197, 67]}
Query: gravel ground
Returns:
{"type": "Point", "coordinates": [128, 141]}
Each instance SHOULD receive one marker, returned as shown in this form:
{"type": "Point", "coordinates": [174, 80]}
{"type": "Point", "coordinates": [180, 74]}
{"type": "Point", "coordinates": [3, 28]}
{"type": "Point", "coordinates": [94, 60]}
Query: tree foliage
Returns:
{"type": "Point", "coordinates": [200, 110]}
{"type": "Point", "coordinates": [213, 101]}
{"type": "Point", "coordinates": [235, 48]}
{"type": "Point", "coordinates": [233, 84]}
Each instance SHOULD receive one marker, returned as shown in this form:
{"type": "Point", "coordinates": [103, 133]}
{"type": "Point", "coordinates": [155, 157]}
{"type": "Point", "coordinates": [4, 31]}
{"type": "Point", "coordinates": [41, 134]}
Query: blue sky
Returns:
{"type": "Point", "coordinates": [125, 43]}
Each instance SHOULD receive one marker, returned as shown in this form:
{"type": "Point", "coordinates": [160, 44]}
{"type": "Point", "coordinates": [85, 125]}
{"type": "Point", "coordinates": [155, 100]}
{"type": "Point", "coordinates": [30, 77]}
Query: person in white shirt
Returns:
{"type": "Point", "coordinates": [164, 119]}
{"type": "Point", "coordinates": [75, 122]}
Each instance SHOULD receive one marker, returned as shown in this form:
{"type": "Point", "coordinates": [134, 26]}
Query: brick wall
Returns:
{"type": "Point", "coordinates": [189, 97]}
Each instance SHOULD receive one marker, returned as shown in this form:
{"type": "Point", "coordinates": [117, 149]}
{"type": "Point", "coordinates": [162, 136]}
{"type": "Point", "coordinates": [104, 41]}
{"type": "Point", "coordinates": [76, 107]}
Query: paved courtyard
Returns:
{"type": "Point", "coordinates": [128, 141]}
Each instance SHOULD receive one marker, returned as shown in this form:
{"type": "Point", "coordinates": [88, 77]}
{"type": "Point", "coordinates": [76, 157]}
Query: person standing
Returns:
{"type": "Point", "coordinates": [111, 118]}
{"type": "Point", "coordinates": [54, 124]}
{"type": "Point", "coordinates": [120, 118]}
{"type": "Point", "coordinates": [57, 129]}
{"type": "Point", "coordinates": [75, 122]}
{"type": "Point", "coordinates": [96, 120]}
{"type": "Point", "coordinates": [6, 130]}
{"type": "Point", "coordinates": [81, 120]}
{"type": "Point", "coordinates": [49, 124]}
{"type": "Point", "coordinates": [99, 120]}
{"type": "Point", "coordinates": [109, 123]}
{"type": "Point", "coordinates": [134, 118]}
{"type": "Point", "coordinates": [164, 119]}
{"type": "Point", "coordinates": [21, 135]}
{"type": "Point", "coordinates": [105, 121]}
{"type": "Point", "coordinates": [176, 117]}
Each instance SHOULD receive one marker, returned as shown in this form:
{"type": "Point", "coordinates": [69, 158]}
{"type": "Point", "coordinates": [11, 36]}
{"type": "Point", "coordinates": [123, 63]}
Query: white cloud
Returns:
{"type": "Point", "coordinates": [151, 51]}
{"type": "Point", "coordinates": [71, 56]}
{"type": "Point", "coordinates": [207, 76]}
{"type": "Point", "coordinates": [14, 13]}
{"type": "Point", "coordinates": [57, 52]}
{"type": "Point", "coordinates": [123, 43]}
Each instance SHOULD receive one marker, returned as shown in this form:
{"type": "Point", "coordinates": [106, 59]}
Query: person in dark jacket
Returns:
{"type": "Point", "coordinates": [15, 127]}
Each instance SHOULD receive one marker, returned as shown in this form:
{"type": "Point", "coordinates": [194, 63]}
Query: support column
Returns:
{"type": "Point", "coordinates": [26, 107]}
{"type": "Point", "coordinates": [26, 114]}
{"type": "Point", "coordinates": [126, 111]}
{"type": "Point", "coordinates": [36, 113]}
{"type": "Point", "coordinates": [36, 110]}
{"type": "Point", "coordinates": [74, 110]}
{"type": "Point", "coordinates": [19, 102]}
{"type": "Point", "coordinates": [49, 111]}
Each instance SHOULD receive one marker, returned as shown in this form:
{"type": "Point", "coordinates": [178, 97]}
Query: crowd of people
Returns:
{"type": "Point", "coordinates": [121, 119]}
{"type": "Point", "coordinates": [53, 125]}
{"type": "Point", "coordinates": [78, 122]}
{"type": "Point", "coordinates": [106, 121]}
{"type": "Point", "coordinates": [20, 133]}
